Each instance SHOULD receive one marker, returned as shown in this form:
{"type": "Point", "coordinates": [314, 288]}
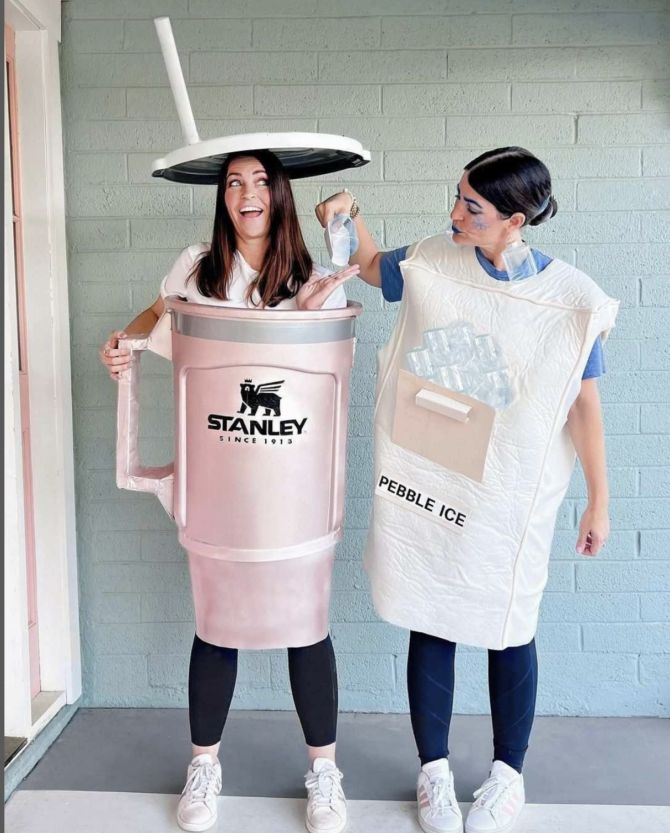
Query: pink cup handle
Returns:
{"type": "Point", "coordinates": [130, 473]}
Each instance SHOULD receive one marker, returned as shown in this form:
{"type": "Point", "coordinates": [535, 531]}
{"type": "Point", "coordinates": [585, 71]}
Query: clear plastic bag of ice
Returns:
{"type": "Point", "coordinates": [519, 261]}
{"type": "Point", "coordinates": [456, 357]}
{"type": "Point", "coordinates": [341, 240]}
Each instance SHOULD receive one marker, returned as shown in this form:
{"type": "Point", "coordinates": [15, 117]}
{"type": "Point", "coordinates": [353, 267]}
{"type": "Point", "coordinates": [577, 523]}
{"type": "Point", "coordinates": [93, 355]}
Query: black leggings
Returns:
{"type": "Point", "coordinates": [512, 690]}
{"type": "Point", "coordinates": [211, 682]}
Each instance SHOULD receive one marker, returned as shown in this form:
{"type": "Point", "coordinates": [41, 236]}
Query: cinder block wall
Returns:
{"type": "Point", "coordinates": [426, 85]}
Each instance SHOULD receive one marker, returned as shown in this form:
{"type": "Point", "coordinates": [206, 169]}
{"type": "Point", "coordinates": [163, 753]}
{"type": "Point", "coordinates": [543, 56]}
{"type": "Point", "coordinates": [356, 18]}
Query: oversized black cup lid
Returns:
{"type": "Point", "coordinates": [301, 154]}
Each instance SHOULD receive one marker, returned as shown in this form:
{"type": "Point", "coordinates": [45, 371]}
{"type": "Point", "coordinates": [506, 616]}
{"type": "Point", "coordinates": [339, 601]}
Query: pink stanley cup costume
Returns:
{"type": "Point", "coordinates": [257, 486]}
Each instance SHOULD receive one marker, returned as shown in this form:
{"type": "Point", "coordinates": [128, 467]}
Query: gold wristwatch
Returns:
{"type": "Point", "coordinates": [355, 208]}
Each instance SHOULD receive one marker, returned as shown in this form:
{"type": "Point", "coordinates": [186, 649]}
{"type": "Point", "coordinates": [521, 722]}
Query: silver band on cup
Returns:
{"type": "Point", "coordinates": [263, 332]}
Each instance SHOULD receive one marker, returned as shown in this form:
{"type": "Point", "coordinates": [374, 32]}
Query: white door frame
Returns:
{"type": "Point", "coordinates": [37, 27]}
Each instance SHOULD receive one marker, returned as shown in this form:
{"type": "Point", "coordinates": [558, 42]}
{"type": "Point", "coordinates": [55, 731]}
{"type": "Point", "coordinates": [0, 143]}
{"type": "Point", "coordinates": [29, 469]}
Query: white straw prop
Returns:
{"type": "Point", "coordinates": [200, 162]}
{"type": "Point", "coordinates": [176, 76]}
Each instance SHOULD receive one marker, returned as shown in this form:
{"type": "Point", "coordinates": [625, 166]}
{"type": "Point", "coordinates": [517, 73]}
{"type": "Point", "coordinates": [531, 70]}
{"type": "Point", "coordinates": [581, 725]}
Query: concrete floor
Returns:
{"type": "Point", "coordinates": [108, 812]}
{"type": "Point", "coordinates": [578, 761]}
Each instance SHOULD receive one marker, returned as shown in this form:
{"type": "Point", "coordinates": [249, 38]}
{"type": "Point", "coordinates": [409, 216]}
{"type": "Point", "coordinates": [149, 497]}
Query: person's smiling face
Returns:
{"type": "Point", "coordinates": [247, 198]}
{"type": "Point", "coordinates": [476, 221]}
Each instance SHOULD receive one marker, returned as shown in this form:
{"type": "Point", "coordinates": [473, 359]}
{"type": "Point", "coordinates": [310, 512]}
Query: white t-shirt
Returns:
{"type": "Point", "coordinates": [175, 283]}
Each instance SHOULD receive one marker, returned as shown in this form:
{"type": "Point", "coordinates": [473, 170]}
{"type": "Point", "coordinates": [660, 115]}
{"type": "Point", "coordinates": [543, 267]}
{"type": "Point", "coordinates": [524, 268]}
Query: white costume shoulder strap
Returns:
{"type": "Point", "coordinates": [559, 283]}
{"type": "Point", "coordinates": [441, 255]}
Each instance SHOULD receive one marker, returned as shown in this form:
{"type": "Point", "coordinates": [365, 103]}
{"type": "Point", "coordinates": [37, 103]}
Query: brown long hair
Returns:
{"type": "Point", "coordinates": [287, 264]}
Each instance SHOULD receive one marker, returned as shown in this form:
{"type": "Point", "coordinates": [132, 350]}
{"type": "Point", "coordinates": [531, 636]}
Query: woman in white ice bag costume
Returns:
{"type": "Point", "coordinates": [485, 391]}
{"type": "Point", "coordinates": [257, 259]}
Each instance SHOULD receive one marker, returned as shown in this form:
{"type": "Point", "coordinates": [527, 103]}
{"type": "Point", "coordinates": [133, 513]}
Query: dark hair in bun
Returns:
{"type": "Point", "coordinates": [514, 180]}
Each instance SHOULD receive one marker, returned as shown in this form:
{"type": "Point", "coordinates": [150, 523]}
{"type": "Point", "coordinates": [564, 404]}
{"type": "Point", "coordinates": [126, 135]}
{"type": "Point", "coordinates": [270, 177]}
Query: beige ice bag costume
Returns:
{"type": "Point", "coordinates": [466, 496]}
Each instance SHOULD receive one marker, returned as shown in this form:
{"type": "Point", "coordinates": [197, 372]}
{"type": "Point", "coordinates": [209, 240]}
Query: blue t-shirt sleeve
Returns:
{"type": "Point", "coordinates": [392, 282]}
{"type": "Point", "coordinates": [595, 366]}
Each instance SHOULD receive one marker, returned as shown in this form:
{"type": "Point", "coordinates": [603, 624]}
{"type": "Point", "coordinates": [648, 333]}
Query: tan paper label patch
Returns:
{"type": "Point", "coordinates": [448, 440]}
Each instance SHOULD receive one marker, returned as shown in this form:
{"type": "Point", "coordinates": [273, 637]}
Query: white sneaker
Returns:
{"type": "Point", "coordinates": [326, 806]}
{"type": "Point", "coordinates": [197, 805]}
{"type": "Point", "coordinates": [438, 809]}
{"type": "Point", "coordinates": [498, 802]}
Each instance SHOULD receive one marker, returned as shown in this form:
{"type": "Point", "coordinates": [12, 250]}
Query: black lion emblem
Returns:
{"type": "Point", "coordinates": [260, 396]}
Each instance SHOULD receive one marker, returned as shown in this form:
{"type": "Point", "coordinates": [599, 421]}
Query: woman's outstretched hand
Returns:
{"type": "Point", "coordinates": [336, 204]}
{"type": "Point", "coordinates": [114, 359]}
{"type": "Point", "coordinates": [594, 528]}
{"type": "Point", "coordinates": [315, 293]}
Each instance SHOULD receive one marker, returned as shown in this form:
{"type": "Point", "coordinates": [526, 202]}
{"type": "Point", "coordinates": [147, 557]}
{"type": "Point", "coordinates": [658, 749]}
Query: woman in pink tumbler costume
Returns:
{"type": "Point", "coordinates": [257, 259]}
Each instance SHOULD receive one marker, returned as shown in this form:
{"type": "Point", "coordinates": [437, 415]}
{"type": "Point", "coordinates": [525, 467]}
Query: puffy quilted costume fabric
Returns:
{"type": "Point", "coordinates": [462, 556]}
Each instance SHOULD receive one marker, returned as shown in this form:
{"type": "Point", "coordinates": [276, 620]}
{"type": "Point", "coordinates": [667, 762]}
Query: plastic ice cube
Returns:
{"type": "Point", "coordinates": [419, 362]}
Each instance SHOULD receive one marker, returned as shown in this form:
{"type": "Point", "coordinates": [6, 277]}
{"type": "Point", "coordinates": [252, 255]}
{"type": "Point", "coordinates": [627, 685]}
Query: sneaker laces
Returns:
{"type": "Point", "coordinates": [491, 792]}
{"type": "Point", "coordinates": [441, 795]}
{"type": "Point", "coordinates": [203, 781]}
{"type": "Point", "coordinates": [323, 787]}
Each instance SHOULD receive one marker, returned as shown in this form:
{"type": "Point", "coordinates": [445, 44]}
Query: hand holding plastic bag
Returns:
{"type": "Point", "coordinates": [341, 239]}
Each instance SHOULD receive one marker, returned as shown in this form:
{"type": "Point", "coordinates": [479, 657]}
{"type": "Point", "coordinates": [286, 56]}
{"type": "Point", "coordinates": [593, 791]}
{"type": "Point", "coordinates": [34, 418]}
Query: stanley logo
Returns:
{"type": "Point", "coordinates": [264, 396]}
{"type": "Point", "coordinates": [245, 429]}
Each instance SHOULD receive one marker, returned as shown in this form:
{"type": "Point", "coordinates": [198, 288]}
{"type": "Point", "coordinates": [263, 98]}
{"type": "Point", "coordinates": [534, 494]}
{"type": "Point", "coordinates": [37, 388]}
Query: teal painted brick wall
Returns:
{"type": "Point", "coordinates": [426, 85]}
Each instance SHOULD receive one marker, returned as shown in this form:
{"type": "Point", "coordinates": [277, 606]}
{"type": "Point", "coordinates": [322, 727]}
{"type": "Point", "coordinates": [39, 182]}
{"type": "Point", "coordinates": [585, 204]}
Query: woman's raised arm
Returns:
{"type": "Point", "coordinates": [367, 255]}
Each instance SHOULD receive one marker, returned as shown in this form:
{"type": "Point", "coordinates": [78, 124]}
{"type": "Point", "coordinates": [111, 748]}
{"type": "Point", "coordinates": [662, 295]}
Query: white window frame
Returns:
{"type": "Point", "coordinates": [37, 25]}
